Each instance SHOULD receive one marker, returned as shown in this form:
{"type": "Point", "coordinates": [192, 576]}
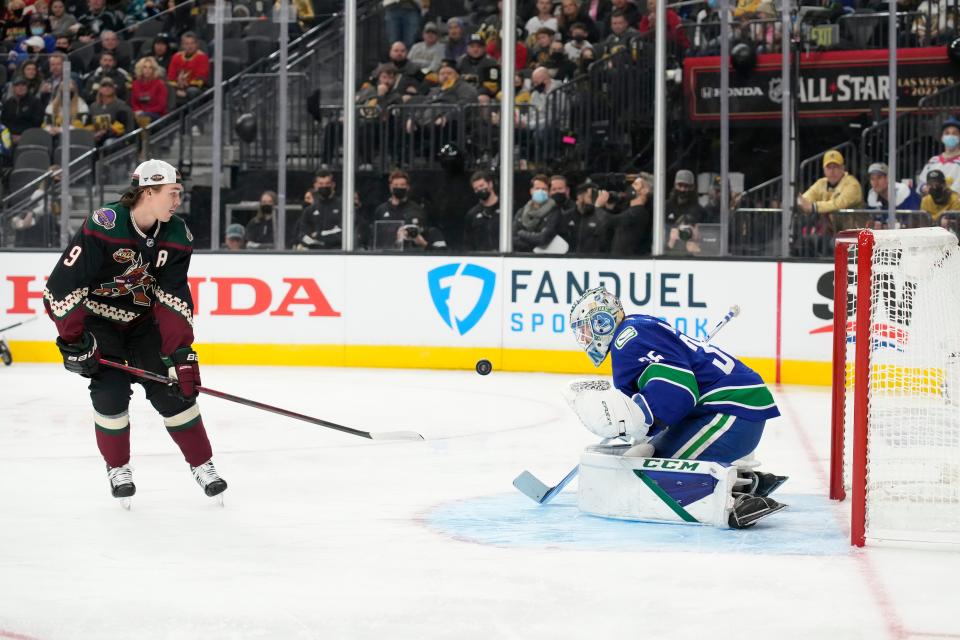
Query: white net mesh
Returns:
{"type": "Point", "coordinates": [913, 456]}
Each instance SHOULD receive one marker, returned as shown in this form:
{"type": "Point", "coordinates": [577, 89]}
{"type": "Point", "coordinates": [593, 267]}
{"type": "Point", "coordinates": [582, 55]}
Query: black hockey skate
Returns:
{"type": "Point", "coordinates": [749, 509]}
{"type": "Point", "coordinates": [758, 483]}
{"type": "Point", "coordinates": [767, 483]}
{"type": "Point", "coordinates": [208, 478]}
{"type": "Point", "coordinates": [121, 481]}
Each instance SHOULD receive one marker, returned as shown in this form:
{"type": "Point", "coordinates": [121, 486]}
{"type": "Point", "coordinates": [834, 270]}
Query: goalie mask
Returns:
{"type": "Point", "coordinates": [594, 319]}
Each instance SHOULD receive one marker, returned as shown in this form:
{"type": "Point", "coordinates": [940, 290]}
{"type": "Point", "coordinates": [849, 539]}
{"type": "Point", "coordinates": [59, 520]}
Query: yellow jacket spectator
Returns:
{"type": "Point", "coordinates": [939, 196]}
{"type": "Point", "coordinates": [836, 190]}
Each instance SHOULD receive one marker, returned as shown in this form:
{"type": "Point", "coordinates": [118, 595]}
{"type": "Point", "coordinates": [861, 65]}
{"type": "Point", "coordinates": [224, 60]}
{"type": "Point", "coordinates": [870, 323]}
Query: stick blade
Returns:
{"type": "Point", "coordinates": [396, 435]}
{"type": "Point", "coordinates": [529, 486]}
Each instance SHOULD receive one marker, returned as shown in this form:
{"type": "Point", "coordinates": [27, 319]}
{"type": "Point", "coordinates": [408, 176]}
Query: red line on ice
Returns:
{"type": "Point", "coordinates": [883, 601]}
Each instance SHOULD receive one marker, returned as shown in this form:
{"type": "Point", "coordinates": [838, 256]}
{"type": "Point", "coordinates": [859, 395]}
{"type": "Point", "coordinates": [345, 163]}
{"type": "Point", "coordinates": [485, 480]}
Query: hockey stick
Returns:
{"type": "Point", "coordinates": [733, 313]}
{"type": "Point", "coordinates": [530, 486]}
{"type": "Point", "coordinates": [17, 324]}
{"type": "Point", "coordinates": [372, 435]}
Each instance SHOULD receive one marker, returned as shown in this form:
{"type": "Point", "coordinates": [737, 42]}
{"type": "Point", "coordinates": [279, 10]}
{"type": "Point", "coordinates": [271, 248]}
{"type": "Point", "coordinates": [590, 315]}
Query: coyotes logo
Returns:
{"type": "Point", "coordinates": [134, 280]}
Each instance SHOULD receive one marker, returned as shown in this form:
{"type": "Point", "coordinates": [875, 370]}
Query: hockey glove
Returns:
{"type": "Point", "coordinates": [81, 357]}
{"type": "Point", "coordinates": [184, 367]}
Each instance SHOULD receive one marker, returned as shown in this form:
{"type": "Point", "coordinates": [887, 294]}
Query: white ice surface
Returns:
{"type": "Point", "coordinates": [326, 535]}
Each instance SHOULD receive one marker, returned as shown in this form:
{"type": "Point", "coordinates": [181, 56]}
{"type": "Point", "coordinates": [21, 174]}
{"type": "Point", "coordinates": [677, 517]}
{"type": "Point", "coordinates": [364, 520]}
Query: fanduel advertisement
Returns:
{"type": "Point", "coordinates": [538, 295]}
{"type": "Point", "coordinates": [831, 84]}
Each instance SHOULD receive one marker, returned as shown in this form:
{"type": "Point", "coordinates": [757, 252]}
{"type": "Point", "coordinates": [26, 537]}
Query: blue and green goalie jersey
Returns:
{"type": "Point", "coordinates": [678, 376]}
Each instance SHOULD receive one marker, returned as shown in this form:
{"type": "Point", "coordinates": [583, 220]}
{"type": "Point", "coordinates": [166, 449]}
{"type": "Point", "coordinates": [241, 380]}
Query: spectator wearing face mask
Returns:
{"type": "Point", "coordinates": [536, 225]}
{"type": "Point", "coordinates": [413, 233]}
{"type": "Point", "coordinates": [260, 228]}
{"type": "Point", "coordinates": [560, 194]}
{"type": "Point", "coordinates": [578, 42]}
{"type": "Point", "coordinates": [683, 214]}
{"type": "Point", "coordinates": [319, 226]}
{"type": "Point", "coordinates": [947, 162]}
{"type": "Point", "coordinates": [939, 196]}
{"type": "Point", "coordinates": [481, 229]}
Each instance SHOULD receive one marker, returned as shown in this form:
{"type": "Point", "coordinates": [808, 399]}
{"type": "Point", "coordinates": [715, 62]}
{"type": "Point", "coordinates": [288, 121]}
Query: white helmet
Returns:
{"type": "Point", "coordinates": [594, 319]}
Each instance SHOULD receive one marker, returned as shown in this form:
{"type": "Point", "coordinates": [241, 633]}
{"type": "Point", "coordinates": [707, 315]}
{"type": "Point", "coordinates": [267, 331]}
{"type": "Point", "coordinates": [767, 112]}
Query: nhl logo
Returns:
{"type": "Point", "coordinates": [149, 242]}
{"type": "Point", "coordinates": [775, 90]}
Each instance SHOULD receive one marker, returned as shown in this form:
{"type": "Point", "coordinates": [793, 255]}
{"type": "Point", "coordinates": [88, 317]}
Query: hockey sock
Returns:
{"type": "Point", "coordinates": [113, 438]}
{"type": "Point", "coordinates": [186, 429]}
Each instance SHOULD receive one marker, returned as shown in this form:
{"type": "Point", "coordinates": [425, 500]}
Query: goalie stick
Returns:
{"type": "Point", "coordinates": [372, 435]}
{"type": "Point", "coordinates": [530, 486]}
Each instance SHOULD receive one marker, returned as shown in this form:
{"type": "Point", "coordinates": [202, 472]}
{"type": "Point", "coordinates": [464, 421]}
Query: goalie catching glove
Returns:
{"type": "Point", "coordinates": [184, 368]}
{"type": "Point", "coordinates": [606, 411]}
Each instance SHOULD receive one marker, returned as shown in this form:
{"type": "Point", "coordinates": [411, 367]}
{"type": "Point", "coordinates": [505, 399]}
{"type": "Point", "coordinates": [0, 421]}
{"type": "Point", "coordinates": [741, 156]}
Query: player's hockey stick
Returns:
{"type": "Point", "coordinates": [17, 324]}
{"type": "Point", "coordinates": [530, 486]}
{"type": "Point", "coordinates": [372, 435]}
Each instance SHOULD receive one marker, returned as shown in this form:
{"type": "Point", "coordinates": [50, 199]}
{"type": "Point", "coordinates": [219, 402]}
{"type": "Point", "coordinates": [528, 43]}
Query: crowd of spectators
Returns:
{"type": "Point", "coordinates": [610, 215]}
{"type": "Point", "coordinates": [119, 80]}
{"type": "Point", "coordinates": [837, 200]}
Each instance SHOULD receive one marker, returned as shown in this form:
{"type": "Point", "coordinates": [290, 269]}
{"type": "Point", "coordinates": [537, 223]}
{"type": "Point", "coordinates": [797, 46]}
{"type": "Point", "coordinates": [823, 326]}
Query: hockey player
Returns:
{"type": "Point", "coordinates": [119, 291]}
{"type": "Point", "coordinates": [681, 397]}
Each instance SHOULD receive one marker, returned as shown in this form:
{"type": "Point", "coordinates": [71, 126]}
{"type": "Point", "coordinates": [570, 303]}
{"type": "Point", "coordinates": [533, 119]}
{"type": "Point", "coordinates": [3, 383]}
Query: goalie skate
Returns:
{"type": "Point", "coordinates": [758, 483]}
{"type": "Point", "coordinates": [121, 484]}
{"type": "Point", "coordinates": [749, 509]}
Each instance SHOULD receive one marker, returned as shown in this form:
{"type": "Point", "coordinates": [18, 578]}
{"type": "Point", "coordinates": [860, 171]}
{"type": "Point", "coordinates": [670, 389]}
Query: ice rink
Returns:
{"type": "Point", "coordinates": [326, 535]}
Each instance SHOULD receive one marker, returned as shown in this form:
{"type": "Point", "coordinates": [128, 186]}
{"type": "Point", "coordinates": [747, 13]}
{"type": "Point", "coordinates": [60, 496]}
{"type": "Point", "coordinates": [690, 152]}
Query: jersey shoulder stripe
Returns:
{"type": "Point", "coordinates": [677, 376]}
{"type": "Point", "coordinates": [756, 396]}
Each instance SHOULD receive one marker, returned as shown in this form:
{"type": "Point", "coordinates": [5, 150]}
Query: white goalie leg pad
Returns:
{"type": "Point", "coordinates": [656, 489]}
{"type": "Point", "coordinates": [604, 410]}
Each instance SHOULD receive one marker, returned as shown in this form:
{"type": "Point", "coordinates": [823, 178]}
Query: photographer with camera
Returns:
{"type": "Point", "coordinates": [589, 226]}
{"type": "Point", "coordinates": [537, 223]}
{"type": "Point", "coordinates": [634, 223]}
{"type": "Point", "coordinates": [412, 234]}
{"type": "Point", "coordinates": [683, 214]}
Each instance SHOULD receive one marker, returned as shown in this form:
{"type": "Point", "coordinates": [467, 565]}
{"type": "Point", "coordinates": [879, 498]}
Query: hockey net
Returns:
{"type": "Point", "coordinates": [896, 385]}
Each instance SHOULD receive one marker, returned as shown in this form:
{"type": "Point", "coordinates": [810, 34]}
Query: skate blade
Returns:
{"type": "Point", "coordinates": [757, 517]}
{"type": "Point", "coordinates": [125, 503]}
{"type": "Point", "coordinates": [219, 498]}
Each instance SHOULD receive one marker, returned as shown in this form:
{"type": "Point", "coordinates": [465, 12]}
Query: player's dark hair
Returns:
{"type": "Point", "coordinates": [132, 196]}
{"type": "Point", "coordinates": [398, 174]}
{"type": "Point", "coordinates": [540, 177]}
{"type": "Point", "coordinates": [323, 173]}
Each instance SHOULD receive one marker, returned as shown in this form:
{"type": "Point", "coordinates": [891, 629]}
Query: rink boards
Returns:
{"type": "Point", "coordinates": [450, 311]}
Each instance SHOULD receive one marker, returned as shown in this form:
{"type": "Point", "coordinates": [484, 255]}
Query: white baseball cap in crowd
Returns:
{"type": "Point", "coordinates": [155, 172]}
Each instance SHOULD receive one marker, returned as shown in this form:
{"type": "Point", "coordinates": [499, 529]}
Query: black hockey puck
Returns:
{"type": "Point", "coordinates": [484, 367]}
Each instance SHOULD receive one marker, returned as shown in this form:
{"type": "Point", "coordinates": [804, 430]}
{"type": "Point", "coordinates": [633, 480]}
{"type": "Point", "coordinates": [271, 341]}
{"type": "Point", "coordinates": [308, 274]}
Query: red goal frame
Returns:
{"type": "Point", "coordinates": [864, 241]}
